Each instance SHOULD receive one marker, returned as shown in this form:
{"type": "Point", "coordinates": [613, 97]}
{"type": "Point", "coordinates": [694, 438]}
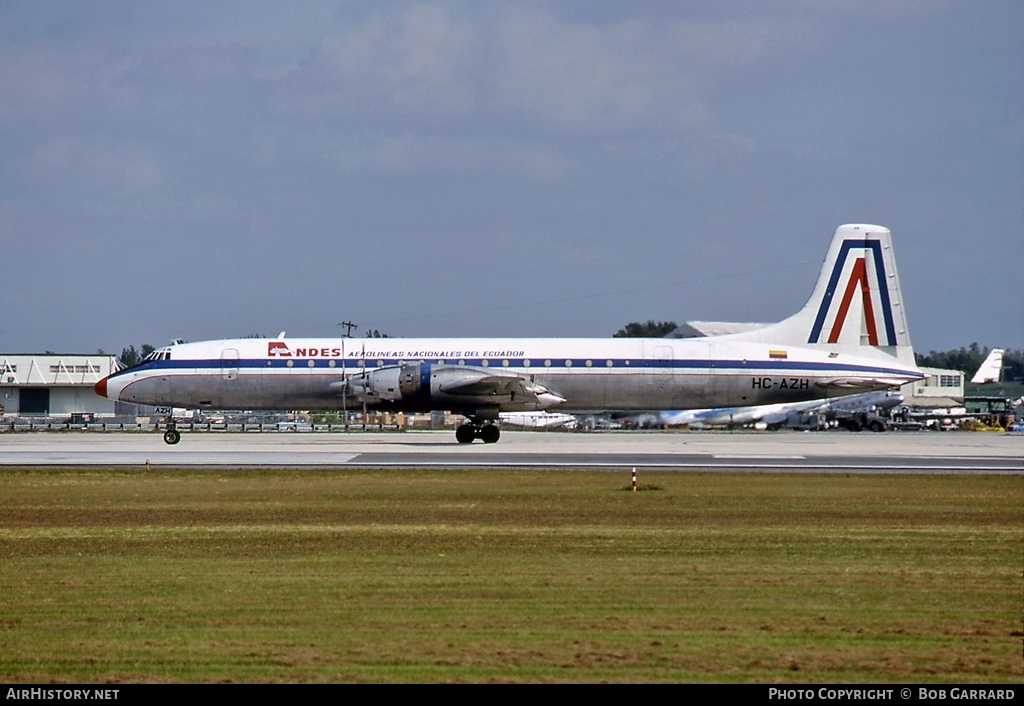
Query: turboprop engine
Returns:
{"type": "Point", "coordinates": [435, 386]}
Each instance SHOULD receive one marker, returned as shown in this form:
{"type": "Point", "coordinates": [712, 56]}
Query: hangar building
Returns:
{"type": "Point", "coordinates": [54, 385]}
{"type": "Point", "coordinates": [941, 389]}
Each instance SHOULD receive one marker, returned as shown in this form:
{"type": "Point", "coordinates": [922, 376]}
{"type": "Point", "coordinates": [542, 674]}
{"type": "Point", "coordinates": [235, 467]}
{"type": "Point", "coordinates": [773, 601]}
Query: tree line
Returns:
{"type": "Point", "coordinates": [129, 356]}
{"type": "Point", "coordinates": [648, 329]}
{"type": "Point", "coordinates": [967, 359]}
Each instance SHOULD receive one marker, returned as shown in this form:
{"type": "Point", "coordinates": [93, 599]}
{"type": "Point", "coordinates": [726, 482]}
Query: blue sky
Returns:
{"type": "Point", "coordinates": [214, 169]}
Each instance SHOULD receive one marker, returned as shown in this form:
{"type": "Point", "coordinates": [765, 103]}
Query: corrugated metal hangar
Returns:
{"type": "Point", "coordinates": [54, 385]}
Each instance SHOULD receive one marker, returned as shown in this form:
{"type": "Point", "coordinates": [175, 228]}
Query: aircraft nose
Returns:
{"type": "Point", "coordinates": [101, 388]}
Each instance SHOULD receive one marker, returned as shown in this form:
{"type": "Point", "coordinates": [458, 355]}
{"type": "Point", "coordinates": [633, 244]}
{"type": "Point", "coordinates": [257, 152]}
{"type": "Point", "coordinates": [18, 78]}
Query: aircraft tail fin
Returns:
{"type": "Point", "coordinates": [856, 306]}
{"type": "Point", "coordinates": [990, 369]}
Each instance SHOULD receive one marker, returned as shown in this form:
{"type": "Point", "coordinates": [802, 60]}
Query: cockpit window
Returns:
{"type": "Point", "coordinates": [160, 354]}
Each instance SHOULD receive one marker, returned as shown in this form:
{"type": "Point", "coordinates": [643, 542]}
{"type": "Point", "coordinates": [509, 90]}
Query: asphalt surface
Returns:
{"type": "Point", "coordinates": [831, 452]}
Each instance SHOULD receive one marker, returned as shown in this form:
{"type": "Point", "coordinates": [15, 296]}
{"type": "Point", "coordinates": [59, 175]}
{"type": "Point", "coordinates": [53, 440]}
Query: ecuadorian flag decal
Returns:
{"type": "Point", "coordinates": [856, 302]}
{"type": "Point", "coordinates": [778, 354]}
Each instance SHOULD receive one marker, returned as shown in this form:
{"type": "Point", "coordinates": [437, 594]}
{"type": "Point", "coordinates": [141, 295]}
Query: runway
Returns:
{"type": "Point", "coordinates": [821, 452]}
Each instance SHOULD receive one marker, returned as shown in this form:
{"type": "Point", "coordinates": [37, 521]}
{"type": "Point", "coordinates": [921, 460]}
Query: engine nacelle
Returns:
{"type": "Point", "coordinates": [426, 386]}
{"type": "Point", "coordinates": [391, 384]}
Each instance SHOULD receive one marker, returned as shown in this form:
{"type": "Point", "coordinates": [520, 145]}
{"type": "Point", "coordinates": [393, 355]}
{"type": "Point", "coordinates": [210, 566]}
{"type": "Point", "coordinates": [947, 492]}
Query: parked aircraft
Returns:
{"type": "Point", "coordinates": [990, 369]}
{"type": "Point", "coordinates": [850, 336]}
{"type": "Point", "coordinates": [770, 414]}
{"type": "Point", "coordinates": [539, 420]}
{"type": "Point", "coordinates": [777, 414]}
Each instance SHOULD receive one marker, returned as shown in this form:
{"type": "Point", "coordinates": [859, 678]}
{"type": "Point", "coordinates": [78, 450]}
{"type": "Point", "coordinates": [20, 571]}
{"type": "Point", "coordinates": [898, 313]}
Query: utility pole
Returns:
{"type": "Point", "coordinates": [344, 377]}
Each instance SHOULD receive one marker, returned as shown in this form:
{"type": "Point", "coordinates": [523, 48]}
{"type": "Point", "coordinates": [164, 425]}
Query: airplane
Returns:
{"type": "Point", "coordinates": [777, 414]}
{"type": "Point", "coordinates": [851, 336]}
{"type": "Point", "coordinates": [868, 402]}
{"type": "Point", "coordinates": [769, 414]}
{"type": "Point", "coordinates": [539, 420]}
{"type": "Point", "coordinates": [990, 369]}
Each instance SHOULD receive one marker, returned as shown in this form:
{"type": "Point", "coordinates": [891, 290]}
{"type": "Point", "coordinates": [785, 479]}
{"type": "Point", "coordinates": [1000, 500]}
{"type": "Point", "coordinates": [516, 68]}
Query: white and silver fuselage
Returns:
{"type": "Point", "coordinates": [572, 375]}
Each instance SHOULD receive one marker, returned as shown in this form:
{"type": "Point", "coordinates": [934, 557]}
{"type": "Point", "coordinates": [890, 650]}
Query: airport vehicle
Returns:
{"type": "Point", "coordinates": [870, 411]}
{"type": "Point", "coordinates": [850, 336]}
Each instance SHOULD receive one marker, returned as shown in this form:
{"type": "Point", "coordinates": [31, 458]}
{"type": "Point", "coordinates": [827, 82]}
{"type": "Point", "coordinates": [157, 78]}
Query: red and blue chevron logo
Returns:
{"type": "Point", "coordinates": [857, 275]}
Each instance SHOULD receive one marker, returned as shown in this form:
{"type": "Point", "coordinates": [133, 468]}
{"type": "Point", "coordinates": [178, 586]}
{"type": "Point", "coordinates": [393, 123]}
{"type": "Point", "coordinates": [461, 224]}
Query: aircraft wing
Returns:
{"type": "Point", "coordinates": [483, 385]}
{"type": "Point", "coordinates": [863, 382]}
{"type": "Point", "coordinates": [487, 388]}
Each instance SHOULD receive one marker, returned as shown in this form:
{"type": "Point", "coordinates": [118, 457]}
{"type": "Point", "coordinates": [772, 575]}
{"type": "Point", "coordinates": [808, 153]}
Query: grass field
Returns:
{"type": "Point", "coordinates": [479, 576]}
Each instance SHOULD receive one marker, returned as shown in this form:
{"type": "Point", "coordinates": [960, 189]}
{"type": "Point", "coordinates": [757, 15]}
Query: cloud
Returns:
{"type": "Point", "coordinates": [609, 141]}
{"type": "Point", "coordinates": [39, 80]}
{"type": "Point", "coordinates": [400, 89]}
{"type": "Point", "coordinates": [416, 64]}
{"type": "Point", "coordinates": [521, 66]}
{"type": "Point", "coordinates": [410, 153]}
{"type": "Point", "coordinates": [632, 76]}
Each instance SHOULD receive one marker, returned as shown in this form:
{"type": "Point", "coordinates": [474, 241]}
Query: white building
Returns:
{"type": "Point", "coordinates": [51, 385]}
{"type": "Point", "coordinates": [941, 389]}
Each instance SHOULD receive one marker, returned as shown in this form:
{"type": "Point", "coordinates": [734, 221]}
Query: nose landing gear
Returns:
{"type": "Point", "coordinates": [172, 435]}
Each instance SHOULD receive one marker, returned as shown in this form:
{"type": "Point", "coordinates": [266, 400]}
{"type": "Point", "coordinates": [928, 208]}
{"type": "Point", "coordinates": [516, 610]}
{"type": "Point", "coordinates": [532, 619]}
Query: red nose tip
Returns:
{"type": "Point", "coordinates": [101, 388]}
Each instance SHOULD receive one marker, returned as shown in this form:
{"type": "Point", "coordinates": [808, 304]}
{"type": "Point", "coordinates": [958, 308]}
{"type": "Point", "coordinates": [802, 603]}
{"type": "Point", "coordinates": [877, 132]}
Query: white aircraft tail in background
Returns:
{"type": "Point", "coordinates": [991, 368]}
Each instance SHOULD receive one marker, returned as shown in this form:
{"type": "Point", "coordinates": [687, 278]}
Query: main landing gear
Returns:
{"type": "Point", "coordinates": [487, 432]}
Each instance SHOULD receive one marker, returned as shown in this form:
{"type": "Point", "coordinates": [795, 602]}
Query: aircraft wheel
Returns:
{"type": "Point", "coordinates": [490, 434]}
{"type": "Point", "coordinates": [465, 434]}
{"type": "Point", "coordinates": [172, 436]}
